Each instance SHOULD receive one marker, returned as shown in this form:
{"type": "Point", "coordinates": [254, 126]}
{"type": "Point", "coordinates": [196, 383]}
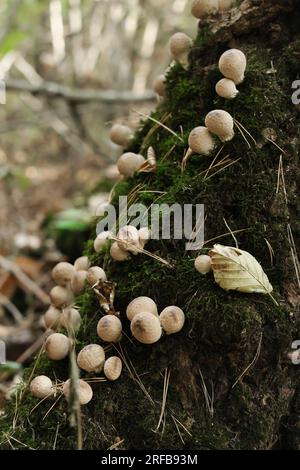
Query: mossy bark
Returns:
{"type": "Point", "coordinates": [236, 344]}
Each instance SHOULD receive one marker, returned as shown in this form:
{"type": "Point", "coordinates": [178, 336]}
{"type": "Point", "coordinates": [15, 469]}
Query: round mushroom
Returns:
{"type": "Point", "coordinates": [61, 296]}
{"type": "Point", "coordinates": [91, 358]}
{"type": "Point", "coordinates": [121, 135]}
{"type": "Point", "coordinates": [62, 273]}
{"type": "Point", "coordinates": [221, 123]}
{"type": "Point", "coordinates": [95, 274]}
{"type": "Point", "coordinates": [202, 8]}
{"type": "Point", "coordinates": [232, 65]}
{"type": "Point", "coordinates": [203, 264]}
{"type": "Point", "coordinates": [129, 163]}
{"type": "Point", "coordinates": [78, 282]}
{"type": "Point", "coordinates": [82, 263]}
{"type": "Point", "coordinates": [159, 85]}
{"type": "Point", "coordinates": [141, 304]}
{"type": "Point", "coordinates": [128, 239]}
{"type": "Point", "coordinates": [113, 368]}
{"type": "Point", "coordinates": [41, 387]}
{"type": "Point", "coordinates": [52, 318]}
{"type": "Point", "coordinates": [70, 319]}
{"type": "Point", "coordinates": [172, 319]}
{"type": "Point", "coordinates": [180, 45]}
{"type": "Point", "coordinates": [226, 89]}
{"type": "Point", "coordinates": [146, 328]}
{"type": "Point", "coordinates": [84, 391]}
{"type": "Point", "coordinates": [101, 240]}
{"type": "Point", "coordinates": [117, 254]}
{"type": "Point", "coordinates": [109, 329]}
{"type": "Point", "coordinates": [201, 141]}
{"type": "Point", "coordinates": [57, 346]}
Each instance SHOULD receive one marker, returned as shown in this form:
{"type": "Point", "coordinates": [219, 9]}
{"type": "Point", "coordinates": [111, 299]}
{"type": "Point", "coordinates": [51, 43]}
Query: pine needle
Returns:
{"type": "Point", "coordinates": [251, 363]}
{"type": "Point", "coordinates": [164, 398]}
{"type": "Point", "coordinates": [160, 124]}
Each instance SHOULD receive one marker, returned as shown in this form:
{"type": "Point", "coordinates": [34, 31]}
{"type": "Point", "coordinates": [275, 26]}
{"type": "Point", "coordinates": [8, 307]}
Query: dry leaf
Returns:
{"type": "Point", "coordinates": [235, 269]}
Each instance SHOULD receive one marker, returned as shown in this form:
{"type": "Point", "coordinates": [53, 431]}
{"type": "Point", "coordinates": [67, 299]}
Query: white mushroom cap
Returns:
{"type": "Point", "coordinates": [225, 5]}
{"type": "Point", "coordinates": [226, 89]}
{"type": "Point", "coordinates": [62, 273]}
{"type": "Point", "coordinates": [172, 319]}
{"type": "Point", "coordinates": [95, 274]}
{"type": "Point", "coordinates": [202, 8]}
{"type": "Point", "coordinates": [180, 45]}
{"type": "Point", "coordinates": [128, 238]}
{"type": "Point", "coordinates": [232, 65]}
{"type": "Point", "coordinates": [203, 264]}
{"type": "Point", "coordinates": [146, 328]}
{"type": "Point", "coordinates": [82, 263]}
{"type": "Point", "coordinates": [129, 163]}
{"type": "Point", "coordinates": [159, 85]}
{"type": "Point", "coordinates": [144, 235]}
{"type": "Point", "coordinates": [121, 135]}
{"type": "Point", "coordinates": [84, 391]}
{"type": "Point", "coordinates": [78, 282]}
{"type": "Point", "coordinates": [61, 296]}
{"type": "Point", "coordinates": [41, 387]}
{"type": "Point", "coordinates": [52, 318]}
{"type": "Point", "coordinates": [57, 346]}
{"type": "Point", "coordinates": [70, 319]}
{"type": "Point", "coordinates": [109, 328]}
{"type": "Point", "coordinates": [117, 254]}
{"type": "Point", "coordinates": [141, 304]}
{"type": "Point", "coordinates": [113, 368]}
{"type": "Point", "coordinates": [91, 358]}
{"type": "Point", "coordinates": [101, 240]}
{"type": "Point", "coordinates": [201, 141]}
{"type": "Point", "coordinates": [220, 122]}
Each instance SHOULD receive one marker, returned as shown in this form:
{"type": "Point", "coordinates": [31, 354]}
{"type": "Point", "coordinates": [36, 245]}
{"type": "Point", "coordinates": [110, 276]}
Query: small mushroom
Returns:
{"type": "Point", "coordinates": [113, 368]}
{"type": "Point", "coordinates": [128, 239]}
{"type": "Point", "coordinates": [41, 387]}
{"type": "Point", "coordinates": [201, 141]}
{"type": "Point", "coordinates": [109, 329]}
{"type": "Point", "coordinates": [70, 319]}
{"type": "Point", "coordinates": [101, 240]}
{"type": "Point", "coordinates": [220, 122]}
{"type": "Point", "coordinates": [159, 85]}
{"type": "Point", "coordinates": [95, 274]}
{"type": "Point", "coordinates": [180, 45]}
{"type": "Point", "coordinates": [129, 163]}
{"type": "Point", "coordinates": [226, 89]}
{"type": "Point", "coordinates": [203, 264]}
{"type": "Point", "coordinates": [225, 5]}
{"type": "Point", "coordinates": [52, 318]}
{"type": "Point", "coordinates": [146, 328]}
{"type": "Point", "coordinates": [121, 135]}
{"type": "Point", "coordinates": [62, 273]}
{"type": "Point", "coordinates": [202, 8]}
{"type": "Point", "coordinates": [172, 319]}
{"type": "Point", "coordinates": [117, 253]}
{"type": "Point", "coordinates": [232, 65]}
{"type": "Point", "coordinates": [57, 346]}
{"type": "Point", "coordinates": [82, 263]}
{"type": "Point", "coordinates": [84, 391]}
{"type": "Point", "coordinates": [61, 296]}
{"type": "Point", "coordinates": [91, 358]}
{"type": "Point", "coordinates": [78, 282]}
{"type": "Point", "coordinates": [141, 304]}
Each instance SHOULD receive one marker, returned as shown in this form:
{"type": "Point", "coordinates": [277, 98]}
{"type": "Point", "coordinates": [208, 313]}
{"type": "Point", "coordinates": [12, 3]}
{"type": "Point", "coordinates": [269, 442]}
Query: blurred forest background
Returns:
{"type": "Point", "coordinates": [71, 68]}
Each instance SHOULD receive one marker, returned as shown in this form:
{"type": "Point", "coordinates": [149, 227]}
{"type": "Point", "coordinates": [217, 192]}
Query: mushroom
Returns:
{"type": "Point", "coordinates": [109, 329]}
{"type": "Point", "coordinates": [82, 263]}
{"type": "Point", "coordinates": [61, 296]}
{"type": "Point", "coordinates": [70, 319]}
{"type": "Point", "coordinates": [101, 240]}
{"type": "Point", "coordinates": [146, 328]}
{"type": "Point", "coordinates": [159, 85]}
{"type": "Point", "coordinates": [121, 135]}
{"type": "Point", "coordinates": [52, 318]}
{"type": "Point", "coordinates": [62, 273]}
{"type": "Point", "coordinates": [95, 274]}
{"type": "Point", "coordinates": [128, 239]}
{"type": "Point", "coordinates": [220, 122]}
{"type": "Point", "coordinates": [201, 141]}
{"type": "Point", "coordinates": [144, 236]}
{"type": "Point", "coordinates": [129, 163]}
{"type": "Point", "coordinates": [84, 390]}
{"type": "Point", "coordinates": [225, 5]}
{"type": "Point", "coordinates": [113, 368]}
{"type": "Point", "coordinates": [78, 282]}
{"type": "Point", "coordinates": [57, 346]}
{"type": "Point", "coordinates": [203, 264]}
{"type": "Point", "coordinates": [232, 65]}
{"type": "Point", "coordinates": [141, 304]}
{"type": "Point", "coordinates": [202, 8]}
{"type": "Point", "coordinates": [172, 319]}
{"type": "Point", "coordinates": [117, 254]}
{"type": "Point", "coordinates": [41, 387]}
{"type": "Point", "coordinates": [180, 45]}
{"type": "Point", "coordinates": [226, 89]}
{"type": "Point", "coordinates": [91, 358]}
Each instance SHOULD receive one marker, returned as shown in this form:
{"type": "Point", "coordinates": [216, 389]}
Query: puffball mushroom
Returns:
{"type": "Point", "coordinates": [146, 328]}
{"type": "Point", "coordinates": [172, 319]}
{"type": "Point", "coordinates": [117, 254]}
{"type": "Point", "coordinates": [70, 319]}
{"type": "Point", "coordinates": [201, 141]}
{"type": "Point", "coordinates": [113, 368]}
{"type": "Point", "coordinates": [128, 239]}
{"type": "Point", "coordinates": [84, 391]}
{"type": "Point", "coordinates": [203, 264]}
{"type": "Point", "coordinates": [109, 329]}
{"type": "Point", "coordinates": [52, 318]}
{"type": "Point", "coordinates": [82, 263]}
{"type": "Point", "coordinates": [220, 122]}
{"type": "Point", "coordinates": [95, 274]}
{"type": "Point", "coordinates": [129, 163]}
{"type": "Point", "coordinates": [57, 346]}
{"type": "Point", "coordinates": [159, 85]}
{"type": "Point", "coordinates": [78, 282]}
{"type": "Point", "coordinates": [141, 304]}
{"type": "Point", "coordinates": [226, 89]}
{"type": "Point", "coordinates": [232, 65]}
{"type": "Point", "coordinates": [61, 296]}
{"type": "Point", "coordinates": [121, 135]}
{"type": "Point", "coordinates": [62, 273]}
{"type": "Point", "coordinates": [180, 45]}
{"type": "Point", "coordinates": [91, 358]}
{"type": "Point", "coordinates": [101, 240]}
{"type": "Point", "coordinates": [202, 8]}
{"type": "Point", "coordinates": [41, 387]}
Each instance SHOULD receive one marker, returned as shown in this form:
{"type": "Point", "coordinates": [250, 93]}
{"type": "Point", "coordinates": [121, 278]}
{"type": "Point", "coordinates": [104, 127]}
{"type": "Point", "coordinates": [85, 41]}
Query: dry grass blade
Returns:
{"type": "Point", "coordinates": [52, 406]}
{"type": "Point", "coordinates": [224, 235]}
{"type": "Point", "coordinates": [231, 233]}
{"type": "Point", "coordinates": [209, 399]}
{"type": "Point", "coordinates": [164, 398]}
{"type": "Point", "coordinates": [178, 430]}
{"type": "Point", "coordinates": [242, 134]}
{"type": "Point", "coordinates": [281, 179]}
{"type": "Point", "coordinates": [247, 132]}
{"type": "Point", "coordinates": [271, 251]}
{"type": "Point", "coordinates": [161, 125]}
{"type": "Point", "coordinates": [55, 437]}
{"type": "Point", "coordinates": [145, 252]}
{"type": "Point", "coordinates": [223, 168]}
{"type": "Point", "coordinates": [153, 129]}
{"type": "Point", "coordinates": [251, 363]}
{"type": "Point", "coordinates": [294, 253]}
{"type": "Point", "coordinates": [213, 162]}
{"type": "Point", "coordinates": [276, 145]}
{"type": "Point", "coordinates": [116, 445]}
